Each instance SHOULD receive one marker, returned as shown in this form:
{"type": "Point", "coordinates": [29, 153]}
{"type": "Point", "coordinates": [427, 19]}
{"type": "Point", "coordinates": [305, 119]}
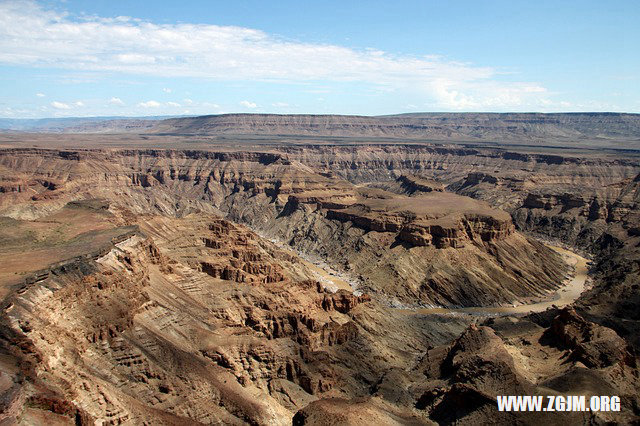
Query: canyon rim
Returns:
{"type": "Point", "coordinates": [319, 213]}
{"type": "Point", "coordinates": [255, 275]}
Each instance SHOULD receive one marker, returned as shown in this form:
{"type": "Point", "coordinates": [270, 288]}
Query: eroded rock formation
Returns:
{"type": "Point", "coordinates": [129, 294]}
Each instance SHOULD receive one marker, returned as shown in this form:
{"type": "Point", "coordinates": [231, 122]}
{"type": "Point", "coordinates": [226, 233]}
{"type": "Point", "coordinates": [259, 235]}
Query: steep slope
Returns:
{"type": "Point", "coordinates": [151, 305]}
{"type": "Point", "coordinates": [615, 299]}
{"type": "Point", "coordinates": [459, 382]}
{"type": "Point", "coordinates": [412, 251]}
{"type": "Point", "coordinates": [588, 202]}
{"type": "Point", "coordinates": [194, 320]}
{"type": "Point", "coordinates": [417, 243]}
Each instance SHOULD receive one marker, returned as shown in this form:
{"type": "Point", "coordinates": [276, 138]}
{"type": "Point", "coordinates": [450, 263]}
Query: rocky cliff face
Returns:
{"type": "Point", "coordinates": [559, 195]}
{"type": "Point", "coordinates": [456, 233]}
{"type": "Point", "coordinates": [435, 126]}
{"type": "Point", "coordinates": [459, 382]}
{"type": "Point", "coordinates": [149, 303]}
{"type": "Point", "coordinates": [588, 202]}
{"type": "Point", "coordinates": [140, 331]}
{"type": "Point", "coordinates": [321, 215]}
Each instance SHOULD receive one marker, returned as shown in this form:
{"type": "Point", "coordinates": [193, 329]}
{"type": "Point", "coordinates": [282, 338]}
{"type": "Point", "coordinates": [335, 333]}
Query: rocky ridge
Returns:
{"type": "Point", "coordinates": [435, 126]}
{"type": "Point", "coordinates": [139, 332]}
{"type": "Point", "coordinates": [321, 215]}
{"type": "Point", "coordinates": [142, 330]}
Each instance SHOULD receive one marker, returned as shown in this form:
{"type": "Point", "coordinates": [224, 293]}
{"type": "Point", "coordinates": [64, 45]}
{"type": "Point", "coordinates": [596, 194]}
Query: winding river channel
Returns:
{"type": "Point", "coordinates": [563, 296]}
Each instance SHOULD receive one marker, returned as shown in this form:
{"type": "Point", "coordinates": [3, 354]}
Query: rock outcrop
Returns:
{"type": "Point", "coordinates": [317, 213]}
{"type": "Point", "coordinates": [140, 332]}
{"type": "Point", "coordinates": [593, 345]}
{"type": "Point", "coordinates": [128, 294]}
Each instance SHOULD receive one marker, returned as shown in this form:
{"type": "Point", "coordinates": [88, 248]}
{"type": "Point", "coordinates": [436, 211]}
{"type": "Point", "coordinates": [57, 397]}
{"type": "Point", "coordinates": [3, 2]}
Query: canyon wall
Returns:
{"type": "Point", "coordinates": [407, 249]}
{"type": "Point", "coordinates": [435, 126]}
{"type": "Point", "coordinates": [152, 301]}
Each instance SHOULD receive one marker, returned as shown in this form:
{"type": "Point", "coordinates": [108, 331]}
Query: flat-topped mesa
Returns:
{"type": "Point", "coordinates": [587, 206]}
{"type": "Point", "coordinates": [476, 178]}
{"type": "Point", "coordinates": [457, 233]}
{"type": "Point", "coordinates": [436, 126]}
{"type": "Point", "coordinates": [433, 219]}
{"type": "Point", "coordinates": [321, 199]}
{"type": "Point", "coordinates": [449, 231]}
{"type": "Point", "coordinates": [549, 201]}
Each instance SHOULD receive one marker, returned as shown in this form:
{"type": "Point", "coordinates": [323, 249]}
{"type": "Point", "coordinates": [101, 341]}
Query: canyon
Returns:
{"type": "Point", "coordinates": [320, 270]}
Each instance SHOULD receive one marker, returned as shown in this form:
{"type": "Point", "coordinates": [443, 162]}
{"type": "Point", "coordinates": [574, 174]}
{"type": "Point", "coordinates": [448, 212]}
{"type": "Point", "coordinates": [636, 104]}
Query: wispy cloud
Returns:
{"type": "Point", "coordinates": [60, 105]}
{"type": "Point", "coordinates": [116, 101]}
{"type": "Point", "coordinates": [250, 105]}
{"type": "Point", "coordinates": [31, 35]}
{"type": "Point", "coordinates": [40, 95]}
{"type": "Point", "coordinates": [156, 104]}
{"type": "Point", "coordinates": [210, 105]}
{"type": "Point", "coordinates": [150, 104]}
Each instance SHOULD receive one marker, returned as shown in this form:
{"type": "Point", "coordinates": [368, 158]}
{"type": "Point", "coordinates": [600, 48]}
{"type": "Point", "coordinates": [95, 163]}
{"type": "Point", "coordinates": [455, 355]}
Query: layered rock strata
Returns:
{"type": "Point", "coordinates": [317, 213]}
{"type": "Point", "coordinates": [138, 327]}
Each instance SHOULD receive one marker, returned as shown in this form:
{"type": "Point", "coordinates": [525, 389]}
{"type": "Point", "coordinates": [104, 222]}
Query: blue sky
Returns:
{"type": "Point", "coordinates": [136, 58]}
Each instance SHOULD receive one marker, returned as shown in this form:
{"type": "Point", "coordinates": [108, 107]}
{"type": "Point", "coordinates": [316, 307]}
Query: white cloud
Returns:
{"type": "Point", "coordinates": [280, 104]}
{"type": "Point", "coordinates": [131, 58]}
{"type": "Point", "coordinates": [488, 96]}
{"type": "Point", "coordinates": [13, 112]}
{"type": "Point", "coordinates": [60, 105]}
{"type": "Point", "coordinates": [40, 95]}
{"type": "Point", "coordinates": [79, 104]}
{"type": "Point", "coordinates": [116, 101]}
{"type": "Point", "coordinates": [187, 101]}
{"type": "Point", "coordinates": [248, 104]}
{"type": "Point", "coordinates": [173, 104]}
{"type": "Point", "coordinates": [31, 35]}
{"type": "Point", "coordinates": [150, 104]}
{"type": "Point", "coordinates": [166, 90]}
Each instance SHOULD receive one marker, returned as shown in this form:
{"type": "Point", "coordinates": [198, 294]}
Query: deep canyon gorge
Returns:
{"type": "Point", "coordinates": [235, 270]}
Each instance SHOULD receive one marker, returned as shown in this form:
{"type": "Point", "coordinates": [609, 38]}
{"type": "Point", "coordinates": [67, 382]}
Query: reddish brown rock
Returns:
{"type": "Point", "coordinates": [343, 301]}
{"type": "Point", "coordinates": [592, 344]}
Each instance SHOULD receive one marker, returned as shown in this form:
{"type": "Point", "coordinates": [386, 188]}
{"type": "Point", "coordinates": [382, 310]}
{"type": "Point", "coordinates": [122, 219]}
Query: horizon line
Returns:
{"type": "Point", "coordinates": [169, 116]}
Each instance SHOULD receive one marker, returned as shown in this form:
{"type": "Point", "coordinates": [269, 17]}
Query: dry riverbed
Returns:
{"type": "Point", "coordinates": [563, 296]}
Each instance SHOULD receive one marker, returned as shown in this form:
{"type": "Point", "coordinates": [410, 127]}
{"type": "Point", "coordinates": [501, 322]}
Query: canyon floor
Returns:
{"type": "Point", "coordinates": [152, 278]}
